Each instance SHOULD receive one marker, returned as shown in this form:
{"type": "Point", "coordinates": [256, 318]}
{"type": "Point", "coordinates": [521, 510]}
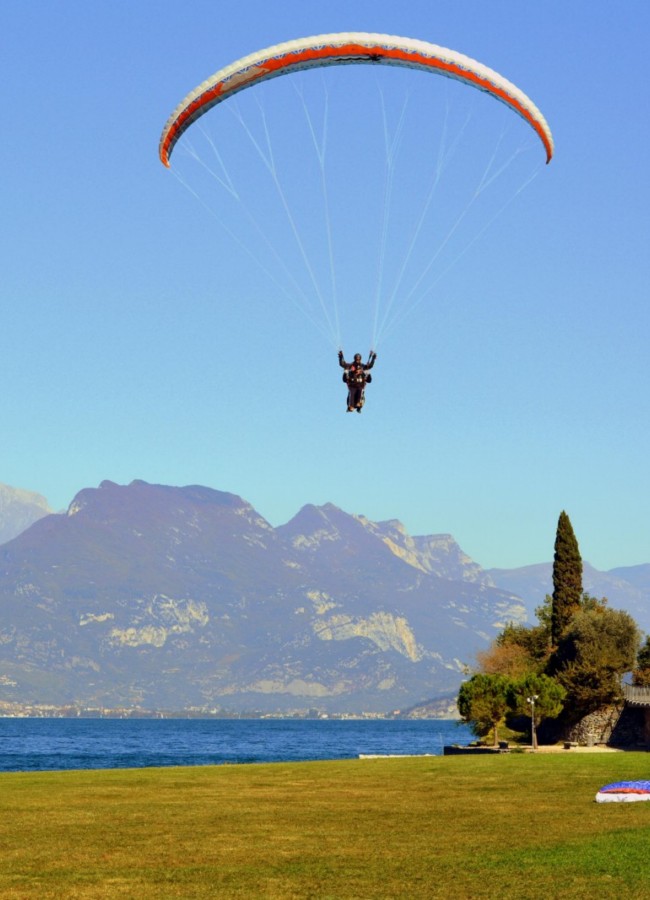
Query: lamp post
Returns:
{"type": "Point", "coordinates": [533, 733]}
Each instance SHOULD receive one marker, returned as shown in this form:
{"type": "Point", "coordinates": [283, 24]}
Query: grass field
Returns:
{"type": "Point", "coordinates": [517, 825]}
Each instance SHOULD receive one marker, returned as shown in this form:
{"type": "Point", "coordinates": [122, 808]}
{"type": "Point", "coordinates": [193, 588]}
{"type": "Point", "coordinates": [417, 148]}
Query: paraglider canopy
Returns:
{"type": "Point", "coordinates": [347, 48]}
{"type": "Point", "coordinates": [312, 175]}
{"type": "Point", "coordinates": [624, 792]}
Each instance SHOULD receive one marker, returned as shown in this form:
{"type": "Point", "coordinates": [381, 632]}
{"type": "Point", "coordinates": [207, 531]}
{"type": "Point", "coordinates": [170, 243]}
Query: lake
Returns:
{"type": "Point", "coordinates": [46, 744]}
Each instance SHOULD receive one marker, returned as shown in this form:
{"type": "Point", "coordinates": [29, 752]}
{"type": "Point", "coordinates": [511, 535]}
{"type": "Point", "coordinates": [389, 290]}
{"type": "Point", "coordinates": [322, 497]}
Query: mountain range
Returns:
{"type": "Point", "coordinates": [186, 597]}
{"type": "Point", "coordinates": [626, 587]}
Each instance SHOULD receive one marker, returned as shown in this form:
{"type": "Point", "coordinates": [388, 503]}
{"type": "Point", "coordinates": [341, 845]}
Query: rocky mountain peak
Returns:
{"type": "Point", "coordinates": [18, 510]}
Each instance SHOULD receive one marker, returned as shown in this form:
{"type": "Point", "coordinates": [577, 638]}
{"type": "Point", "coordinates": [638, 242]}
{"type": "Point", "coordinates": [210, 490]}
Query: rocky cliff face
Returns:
{"type": "Point", "coordinates": [176, 597]}
{"type": "Point", "coordinates": [18, 510]}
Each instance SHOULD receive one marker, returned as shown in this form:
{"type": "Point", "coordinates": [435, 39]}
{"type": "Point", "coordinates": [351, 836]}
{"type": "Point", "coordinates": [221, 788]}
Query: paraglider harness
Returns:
{"type": "Point", "coordinates": [357, 375]}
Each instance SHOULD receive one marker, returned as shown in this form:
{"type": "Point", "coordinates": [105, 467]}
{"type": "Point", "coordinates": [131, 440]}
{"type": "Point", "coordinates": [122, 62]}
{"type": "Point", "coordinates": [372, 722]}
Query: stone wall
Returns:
{"type": "Point", "coordinates": [597, 727]}
{"type": "Point", "coordinates": [621, 726]}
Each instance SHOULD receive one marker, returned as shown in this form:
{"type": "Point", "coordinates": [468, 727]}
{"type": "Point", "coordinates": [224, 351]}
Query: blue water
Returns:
{"type": "Point", "coordinates": [43, 744]}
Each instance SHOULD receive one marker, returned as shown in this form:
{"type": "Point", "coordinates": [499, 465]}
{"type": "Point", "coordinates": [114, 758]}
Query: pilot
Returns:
{"type": "Point", "coordinates": [357, 376]}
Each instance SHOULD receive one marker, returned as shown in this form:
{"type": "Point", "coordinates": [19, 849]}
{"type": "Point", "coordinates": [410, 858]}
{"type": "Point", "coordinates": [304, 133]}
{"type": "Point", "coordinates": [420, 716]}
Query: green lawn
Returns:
{"type": "Point", "coordinates": [517, 825]}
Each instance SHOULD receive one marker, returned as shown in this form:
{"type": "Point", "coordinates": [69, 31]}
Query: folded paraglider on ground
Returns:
{"type": "Point", "coordinates": [624, 792]}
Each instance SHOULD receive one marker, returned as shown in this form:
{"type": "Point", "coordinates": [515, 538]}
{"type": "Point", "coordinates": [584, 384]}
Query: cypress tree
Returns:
{"type": "Point", "coordinates": [567, 578]}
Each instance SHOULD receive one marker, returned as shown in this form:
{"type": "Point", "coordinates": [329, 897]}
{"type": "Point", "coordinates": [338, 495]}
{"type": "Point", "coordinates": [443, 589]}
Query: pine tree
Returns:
{"type": "Point", "coordinates": [567, 578]}
{"type": "Point", "coordinates": [483, 703]}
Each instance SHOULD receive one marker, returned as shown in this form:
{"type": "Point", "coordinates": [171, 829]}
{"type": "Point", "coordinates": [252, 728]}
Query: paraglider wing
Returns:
{"type": "Point", "coordinates": [346, 48]}
{"type": "Point", "coordinates": [624, 792]}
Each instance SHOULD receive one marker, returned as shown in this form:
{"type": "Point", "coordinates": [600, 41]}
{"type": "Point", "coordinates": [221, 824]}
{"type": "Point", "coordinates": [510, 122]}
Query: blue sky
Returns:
{"type": "Point", "coordinates": [138, 342]}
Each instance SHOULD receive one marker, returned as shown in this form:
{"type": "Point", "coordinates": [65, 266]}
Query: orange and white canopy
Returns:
{"type": "Point", "coordinates": [347, 48]}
